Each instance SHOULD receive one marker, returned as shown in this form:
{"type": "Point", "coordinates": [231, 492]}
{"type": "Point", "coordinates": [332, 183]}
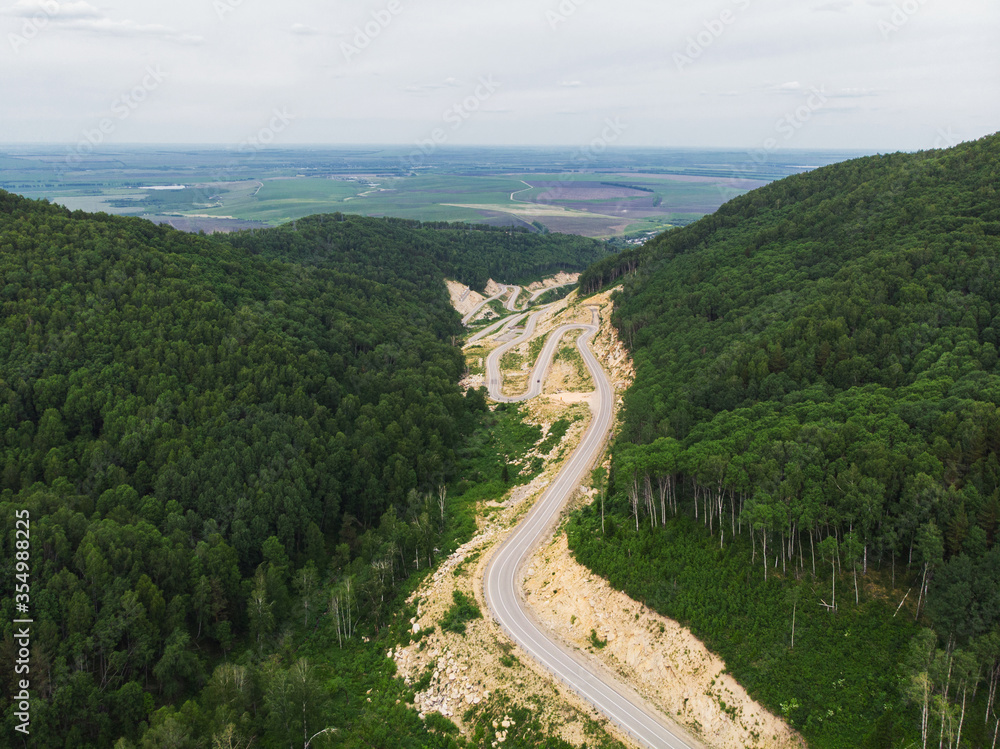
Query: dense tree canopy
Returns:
{"type": "Point", "coordinates": [202, 427]}
{"type": "Point", "coordinates": [470, 254]}
{"type": "Point", "coordinates": [817, 372]}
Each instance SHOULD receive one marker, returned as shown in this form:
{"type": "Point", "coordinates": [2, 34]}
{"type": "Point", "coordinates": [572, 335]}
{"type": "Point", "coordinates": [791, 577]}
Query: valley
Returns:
{"type": "Point", "coordinates": [734, 487]}
{"type": "Point", "coordinates": [625, 194]}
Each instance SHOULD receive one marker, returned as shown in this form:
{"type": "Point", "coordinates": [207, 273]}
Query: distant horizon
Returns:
{"type": "Point", "coordinates": [223, 146]}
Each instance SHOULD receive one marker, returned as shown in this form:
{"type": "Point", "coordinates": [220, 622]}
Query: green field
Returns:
{"type": "Point", "coordinates": [604, 197]}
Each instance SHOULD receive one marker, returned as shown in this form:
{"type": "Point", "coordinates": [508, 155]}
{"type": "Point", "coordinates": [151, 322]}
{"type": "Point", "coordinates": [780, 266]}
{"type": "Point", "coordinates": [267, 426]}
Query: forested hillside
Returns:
{"type": "Point", "coordinates": [816, 403]}
{"type": "Point", "coordinates": [219, 443]}
{"type": "Point", "coordinates": [470, 254]}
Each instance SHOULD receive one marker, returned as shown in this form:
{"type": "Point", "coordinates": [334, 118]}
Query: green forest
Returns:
{"type": "Point", "coordinates": [236, 453]}
{"type": "Point", "coordinates": [808, 470]}
{"type": "Point", "coordinates": [468, 253]}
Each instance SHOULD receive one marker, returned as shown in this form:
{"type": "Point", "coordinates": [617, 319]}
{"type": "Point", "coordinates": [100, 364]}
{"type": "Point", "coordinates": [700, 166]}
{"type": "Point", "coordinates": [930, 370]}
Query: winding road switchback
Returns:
{"type": "Point", "coordinates": [501, 588]}
{"type": "Point", "coordinates": [468, 318]}
{"type": "Point", "coordinates": [505, 323]}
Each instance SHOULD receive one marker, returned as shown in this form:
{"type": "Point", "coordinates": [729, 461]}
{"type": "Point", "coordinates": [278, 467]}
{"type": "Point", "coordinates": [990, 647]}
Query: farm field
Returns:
{"type": "Point", "coordinates": [211, 189]}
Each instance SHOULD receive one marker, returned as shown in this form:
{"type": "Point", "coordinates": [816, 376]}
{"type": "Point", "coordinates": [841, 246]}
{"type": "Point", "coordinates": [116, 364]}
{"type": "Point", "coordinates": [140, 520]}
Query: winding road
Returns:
{"type": "Point", "coordinates": [505, 323]}
{"type": "Point", "coordinates": [538, 293]}
{"type": "Point", "coordinates": [468, 318]}
{"type": "Point", "coordinates": [618, 702]}
{"type": "Point", "coordinates": [516, 192]}
{"type": "Point", "coordinates": [510, 306]}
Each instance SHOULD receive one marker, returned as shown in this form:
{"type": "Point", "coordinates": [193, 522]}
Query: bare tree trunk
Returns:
{"type": "Point", "coordinates": [764, 534]}
{"type": "Point", "coordinates": [651, 506]}
{"type": "Point", "coordinates": [991, 695]}
{"type": "Point", "coordinates": [925, 713]}
{"type": "Point", "coordinates": [661, 486]}
{"type": "Point", "coordinates": [920, 598]}
{"type": "Point", "coordinates": [961, 719]}
{"type": "Point", "coordinates": [833, 596]}
{"type": "Point", "coordinates": [812, 548]}
{"type": "Point", "coordinates": [442, 495]}
{"type": "Point", "coordinates": [794, 606]}
{"type": "Point", "coordinates": [633, 495]}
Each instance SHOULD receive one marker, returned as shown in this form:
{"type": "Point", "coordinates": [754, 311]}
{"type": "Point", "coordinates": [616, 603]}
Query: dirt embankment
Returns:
{"type": "Point", "coordinates": [609, 349]}
{"type": "Point", "coordinates": [481, 670]}
{"type": "Point", "coordinates": [663, 661]}
{"type": "Point", "coordinates": [560, 279]}
{"type": "Point", "coordinates": [463, 298]}
{"type": "Point", "coordinates": [657, 656]}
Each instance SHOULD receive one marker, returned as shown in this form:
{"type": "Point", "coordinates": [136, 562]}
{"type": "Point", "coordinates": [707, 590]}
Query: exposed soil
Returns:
{"type": "Point", "coordinates": [469, 670]}
{"type": "Point", "coordinates": [560, 279]}
{"type": "Point", "coordinates": [463, 298]}
{"type": "Point", "coordinates": [658, 657]}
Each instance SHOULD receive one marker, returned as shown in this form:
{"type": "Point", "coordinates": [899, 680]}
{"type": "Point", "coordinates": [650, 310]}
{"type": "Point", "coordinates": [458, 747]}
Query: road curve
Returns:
{"type": "Point", "coordinates": [506, 322]}
{"type": "Point", "coordinates": [468, 318]}
{"type": "Point", "coordinates": [538, 293]}
{"type": "Point", "coordinates": [510, 306]}
{"type": "Point", "coordinates": [500, 585]}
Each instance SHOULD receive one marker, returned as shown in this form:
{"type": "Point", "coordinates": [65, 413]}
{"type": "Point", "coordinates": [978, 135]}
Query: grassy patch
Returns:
{"type": "Point", "coordinates": [462, 611]}
{"type": "Point", "coordinates": [521, 726]}
{"type": "Point", "coordinates": [568, 352]}
{"type": "Point", "coordinates": [596, 641]}
{"type": "Point", "coordinates": [556, 432]}
{"type": "Point", "coordinates": [535, 347]}
{"type": "Point", "coordinates": [836, 684]}
{"type": "Point", "coordinates": [511, 360]}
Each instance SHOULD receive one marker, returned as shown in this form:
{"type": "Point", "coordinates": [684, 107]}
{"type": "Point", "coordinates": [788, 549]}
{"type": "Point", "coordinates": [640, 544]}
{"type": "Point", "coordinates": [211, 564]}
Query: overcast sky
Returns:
{"type": "Point", "coordinates": [866, 74]}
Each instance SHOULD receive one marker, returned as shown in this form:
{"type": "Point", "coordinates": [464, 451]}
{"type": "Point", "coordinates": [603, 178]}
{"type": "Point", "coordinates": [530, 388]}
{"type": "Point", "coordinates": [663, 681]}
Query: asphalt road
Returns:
{"type": "Point", "coordinates": [468, 318]}
{"type": "Point", "coordinates": [617, 701]}
{"type": "Point", "coordinates": [538, 293]}
{"type": "Point", "coordinates": [510, 306]}
{"type": "Point", "coordinates": [506, 322]}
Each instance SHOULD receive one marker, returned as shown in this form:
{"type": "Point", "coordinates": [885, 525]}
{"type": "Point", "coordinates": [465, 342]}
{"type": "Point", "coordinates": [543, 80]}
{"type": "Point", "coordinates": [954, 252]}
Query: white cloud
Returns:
{"type": "Point", "coordinates": [109, 27]}
{"type": "Point", "coordinates": [51, 9]}
{"type": "Point", "coordinates": [423, 88]}
{"type": "Point", "coordinates": [304, 30]}
{"type": "Point", "coordinates": [80, 15]}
